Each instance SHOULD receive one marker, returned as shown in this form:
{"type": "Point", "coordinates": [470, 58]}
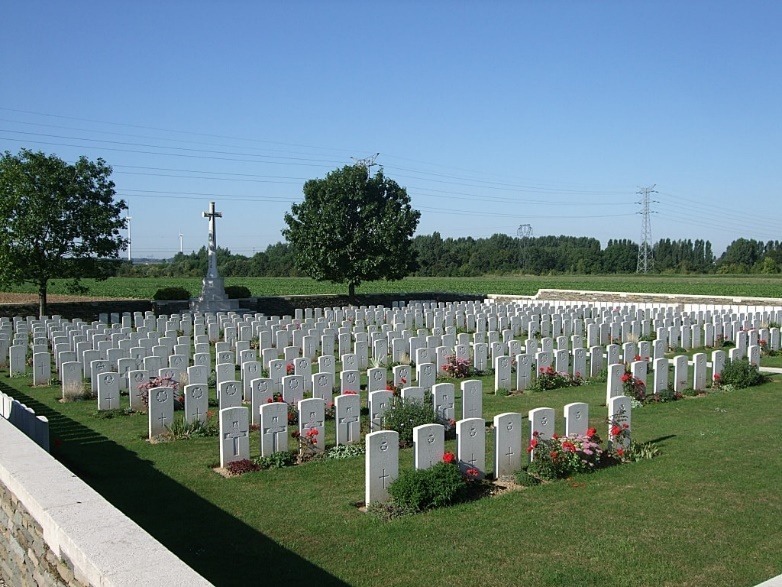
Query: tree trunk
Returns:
{"type": "Point", "coordinates": [352, 290]}
{"type": "Point", "coordinates": [42, 298]}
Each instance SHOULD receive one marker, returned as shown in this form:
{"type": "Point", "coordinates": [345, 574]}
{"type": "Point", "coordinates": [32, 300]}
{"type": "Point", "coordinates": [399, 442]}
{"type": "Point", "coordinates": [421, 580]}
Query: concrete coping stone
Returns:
{"type": "Point", "coordinates": [104, 546]}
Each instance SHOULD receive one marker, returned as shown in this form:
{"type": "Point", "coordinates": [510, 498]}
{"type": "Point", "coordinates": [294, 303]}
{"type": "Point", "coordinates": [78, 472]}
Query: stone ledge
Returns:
{"type": "Point", "coordinates": [104, 546]}
{"type": "Point", "coordinates": [584, 296]}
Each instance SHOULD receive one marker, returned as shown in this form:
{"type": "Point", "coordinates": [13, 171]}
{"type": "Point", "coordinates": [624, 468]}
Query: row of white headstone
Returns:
{"type": "Point", "coordinates": [382, 447]}
{"type": "Point", "coordinates": [25, 419]}
{"type": "Point", "coordinates": [156, 351]}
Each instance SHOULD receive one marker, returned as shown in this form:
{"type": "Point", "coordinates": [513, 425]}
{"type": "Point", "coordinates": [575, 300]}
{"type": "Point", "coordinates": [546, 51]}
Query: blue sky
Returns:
{"type": "Point", "coordinates": [492, 114]}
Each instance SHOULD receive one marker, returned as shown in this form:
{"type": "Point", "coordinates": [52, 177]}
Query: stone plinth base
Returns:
{"type": "Point", "coordinates": [213, 298]}
{"type": "Point", "coordinates": [212, 306]}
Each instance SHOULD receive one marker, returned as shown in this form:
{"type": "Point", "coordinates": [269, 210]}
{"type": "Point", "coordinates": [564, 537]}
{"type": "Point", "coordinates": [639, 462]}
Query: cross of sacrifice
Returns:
{"type": "Point", "coordinates": [212, 250]}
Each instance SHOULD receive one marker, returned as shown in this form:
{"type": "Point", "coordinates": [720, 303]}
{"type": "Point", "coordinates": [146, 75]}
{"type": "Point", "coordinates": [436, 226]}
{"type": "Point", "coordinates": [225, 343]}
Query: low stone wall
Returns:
{"type": "Point", "coordinates": [55, 530]}
{"type": "Point", "coordinates": [681, 302]}
{"type": "Point", "coordinates": [88, 311]}
{"type": "Point", "coordinates": [270, 305]}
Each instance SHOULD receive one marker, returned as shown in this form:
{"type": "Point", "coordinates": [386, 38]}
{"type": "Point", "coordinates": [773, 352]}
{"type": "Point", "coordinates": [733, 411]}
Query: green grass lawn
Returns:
{"type": "Point", "coordinates": [720, 285]}
{"type": "Point", "coordinates": [705, 512]}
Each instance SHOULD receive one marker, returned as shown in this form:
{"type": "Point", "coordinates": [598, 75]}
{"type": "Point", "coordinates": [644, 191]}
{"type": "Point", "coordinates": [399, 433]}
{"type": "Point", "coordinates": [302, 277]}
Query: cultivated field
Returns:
{"type": "Point", "coordinates": [717, 285]}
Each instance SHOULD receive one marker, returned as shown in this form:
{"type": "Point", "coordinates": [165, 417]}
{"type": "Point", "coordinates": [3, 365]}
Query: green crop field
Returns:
{"type": "Point", "coordinates": [716, 285]}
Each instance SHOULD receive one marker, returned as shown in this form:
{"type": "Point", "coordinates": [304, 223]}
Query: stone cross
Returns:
{"type": "Point", "coordinates": [212, 250]}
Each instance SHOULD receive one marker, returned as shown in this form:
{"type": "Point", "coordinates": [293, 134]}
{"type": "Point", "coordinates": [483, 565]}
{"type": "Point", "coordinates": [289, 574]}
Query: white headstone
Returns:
{"type": "Point", "coordinates": [379, 402]}
{"type": "Point", "coordinates": [576, 419]}
{"type": "Point", "coordinates": [312, 416]}
{"type": "Point", "coordinates": [347, 410]}
{"type": "Point", "coordinates": [229, 394]}
{"type": "Point", "coordinates": [507, 444]}
{"type": "Point", "coordinates": [274, 428]}
{"type": "Point", "coordinates": [541, 424]}
{"type": "Point", "coordinates": [108, 391]}
{"type": "Point", "coordinates": [196, 402]}
{"type": "Point", "coordinates": [472, 398]}
{"type": "Point", "coordinates": [428, 445]}
{"type": "Point", "coordinates": [381, 465]}
{"type": "Point", "coordinates": [471, 445]}
{"type": "Point", "coordinates": [234, 435]}
{"type": "Point", "coordinates": [443, 395]}
{"type": "Point", "coordinates": [161, 410]}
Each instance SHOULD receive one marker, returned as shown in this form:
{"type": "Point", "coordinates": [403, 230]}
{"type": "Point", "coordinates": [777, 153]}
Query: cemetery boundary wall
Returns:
{"type": "Point", "coordinates": [269, 305]}
{"type": "Point", "coordinates": [682, 302]}
{"type": "Point", "coordinates": [55, 530]}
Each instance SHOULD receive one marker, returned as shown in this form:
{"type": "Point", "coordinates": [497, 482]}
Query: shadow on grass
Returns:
{"type": "Point", "coordinates": [221, 548]}
{"type": "Point", "coordinates": [660, 439]}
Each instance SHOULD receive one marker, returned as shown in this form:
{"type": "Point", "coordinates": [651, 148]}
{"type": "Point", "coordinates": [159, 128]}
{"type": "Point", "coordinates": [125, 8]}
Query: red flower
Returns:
{"type": "Point", "coordinates": [555, 436]}
{"type": "Point", "coordinates": [591, 432]}
{"type": "Point", "coordinates": [312, 433]}
{"type": "Point", "coordinates": [403, 380]}
{"type": "Point", "coordinates": [553, 455]}
{"type": "Point", "coordinates": [620, 451]}
{"type": "Point", "coordinates": [626, 377]}
{"type": "Point", "coordinates": [449, 457]}
{"type": "Point", "coordinates": [532, 444]}
{"type": "Point", "coordinates": [615, 430]}
{"type": "Point", "coordinates": [637, 358]}
{"type": "Point", "coordinates": [472, 474]}
{"type": "Point", "coordinates": [451, 423]}
{"type": "Point", "coordinates": [568, 446]}
{"type": "Point", "coordinates": [290, 369]}
{"type": "Point", "coordinates": [349, 393]}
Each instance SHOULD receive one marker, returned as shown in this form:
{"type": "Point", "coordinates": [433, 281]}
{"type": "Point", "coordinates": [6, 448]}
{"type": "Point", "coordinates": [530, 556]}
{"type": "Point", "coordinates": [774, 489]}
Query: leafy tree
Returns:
{"type": "Point", "coordinates": [352, 228]}
{"type": "Point", "coordinates": [59, 220]}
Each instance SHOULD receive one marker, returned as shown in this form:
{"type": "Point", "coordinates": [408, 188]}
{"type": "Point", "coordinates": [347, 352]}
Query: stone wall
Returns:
{"type": "Point", "coordinates": [56, 530]}
{"type": "Point", "coordinates": [88, 311]}
{"type": "Point", "coordinates": [681, 302]}
{"type": "Point", "coordinates": [25, 558]}
{"type": "Point", "coordinates": [270, 306]}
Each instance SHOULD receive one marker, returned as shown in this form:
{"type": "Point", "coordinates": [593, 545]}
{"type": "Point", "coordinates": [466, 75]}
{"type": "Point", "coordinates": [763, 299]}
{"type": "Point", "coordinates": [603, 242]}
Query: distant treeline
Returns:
{"type": "Point", "coordinates": [501, 254]}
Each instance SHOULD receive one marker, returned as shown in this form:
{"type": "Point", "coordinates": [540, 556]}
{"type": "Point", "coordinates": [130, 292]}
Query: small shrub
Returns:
{"type": "Point", "coordinates": [458, 368]}
{"type": "Point", "coordinates": [235, 292]}
{"type": "Point", "coordinates": [180, 429]}
{"type": "Point", "coordinates": [740, 374]}
{"type": "Point", "coordinates": [403, 416]}
{"type": "Point", "coordinates": [276, 460]}
{"type": "Point", "coordinates": [664, 395]}
{"type": "Point", "coordinates": [345, 451]}
{"type": "Point", "coordinates": [241, 467]}
{"type": "Point", "coordinates": [524, 479]}
{"type": "Point", "coordinates": [641, 451]}
{"type": "Point", "coordinates": [170, 382]}
{"type": "Point", "coordinates": [633, 387]}
{"type": "Point", "coordinates": [549, 378]}
{"type": "Point", "coordinates": [171, 293]}
{"type": "Point", "coordinates": [562, 456]}
{"type": "Point", "coordinates": [75, 394]}
{"type": "Point", "coordinates": [423, 489]}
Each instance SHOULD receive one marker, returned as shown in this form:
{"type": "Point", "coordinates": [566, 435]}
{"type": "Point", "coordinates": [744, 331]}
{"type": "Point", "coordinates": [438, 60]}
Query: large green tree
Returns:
{"type": "Point", "coordinates": [352, 227]}
{"type": "Point", "coordinates": [59, 220]}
